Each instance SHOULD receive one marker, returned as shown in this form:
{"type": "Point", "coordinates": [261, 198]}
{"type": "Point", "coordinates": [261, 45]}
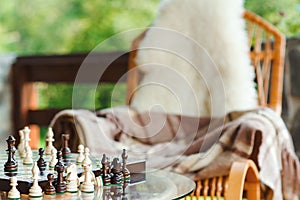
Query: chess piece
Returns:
{"type": "Point", "coordinates": [26, 132]}
{"type": "Point", "coordinates": [88, 184]}
{"type": "Point", "coordinates": [66, 152]}
{"type": "Point", "coordinates": [49, 188]}
{"type": "Point", "coordinates": [125, 171]}
{"type": "Point", "coordinates": [59, 167]}
{"type": "Point", "coordinates": [80, 156]}
{"type": "Point", "coordinates": [124, 195]}
{"type": "Point", "coordinates": [117, 192]}
{"type": "Point", "coordinates": [28, 158]}
{"type": "Point", "coordinates": [86, 160]}
{"type": "Point", "coordinates": [105, 171]}
{"type": "Point", "coordinates": [116, 173]}
{"type": "Point", "coordinates": [13, 192]}
{"type": "Point", "coordinates": [41, 162]}
{"type": "Point", "coordinates": [49, 141]}
{"type": "Point", "coordinates": [72, 178]}
{"type": "Point", "coordinates": [21, 146]}
{"type": "Point", "coordinates": [53, 160]}
{"type": "Point", "coordinates": [35, 190]}
{"type": "Point", "coordinates": [11, 165]}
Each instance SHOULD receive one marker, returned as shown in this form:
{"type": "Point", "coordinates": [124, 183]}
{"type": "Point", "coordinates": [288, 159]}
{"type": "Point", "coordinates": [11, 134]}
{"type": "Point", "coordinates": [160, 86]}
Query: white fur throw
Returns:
{"type": "Point", "coordinates": [195, 60]}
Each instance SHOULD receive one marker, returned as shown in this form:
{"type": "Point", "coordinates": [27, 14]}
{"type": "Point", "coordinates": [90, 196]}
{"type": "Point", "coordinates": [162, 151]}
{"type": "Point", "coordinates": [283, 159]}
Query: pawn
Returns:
{"type": "Point", "coordinates": [88, 184]}
{"type": "Point", "coordinates": [41, 162]}
{"type": "Point", "coordinates": [13, 193]}
{"type": "Point", "coordinates": [80, 156]}
{"type": "Point", "coordinates": [49, 188]}
{"type": "Point", "coordinates": [86, 160]}
{"type": "Point", "coordinates": [35, 190]}
{"type": "Point", "coordinates": [21, 147]}
{"type": "Point", "coordinates": [28, 158]}
{"type": "Point", "coordinates": [116, 173]}
{"type": "Point", "coordinates": [53, 160]}
{"type": "Point", "coordinates": [49, 141]}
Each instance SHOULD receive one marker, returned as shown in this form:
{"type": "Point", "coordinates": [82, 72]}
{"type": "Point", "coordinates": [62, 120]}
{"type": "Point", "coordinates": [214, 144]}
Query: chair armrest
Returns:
{"type": "Point", "coordinates": [243, 177]}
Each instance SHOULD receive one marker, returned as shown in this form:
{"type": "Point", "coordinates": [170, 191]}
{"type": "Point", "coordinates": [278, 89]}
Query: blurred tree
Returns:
{"type": "Point", "coordinates": [285, 15]}
{"type": "Point", "coordinates": [47, 27]}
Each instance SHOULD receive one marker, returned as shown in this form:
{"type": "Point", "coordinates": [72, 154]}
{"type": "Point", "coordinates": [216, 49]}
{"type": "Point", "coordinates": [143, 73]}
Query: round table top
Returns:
{"type": "Point", "coordinates": [159, 185]}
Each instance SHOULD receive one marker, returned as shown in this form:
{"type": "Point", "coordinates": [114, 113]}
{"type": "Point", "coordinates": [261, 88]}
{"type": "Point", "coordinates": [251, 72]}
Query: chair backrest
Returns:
{"type": "Point", "coordinates": [267, 51]}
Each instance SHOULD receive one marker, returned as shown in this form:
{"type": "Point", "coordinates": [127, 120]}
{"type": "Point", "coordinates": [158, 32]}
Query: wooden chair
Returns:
{"type": "Point", "coordinates": [267, 51]}
{"type": "Point", "coordinates": [267, 47]}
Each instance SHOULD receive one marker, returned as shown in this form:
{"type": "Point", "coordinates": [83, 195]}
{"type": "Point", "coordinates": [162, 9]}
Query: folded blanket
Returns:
{"type": "Point", "coordinates": [197, 147]}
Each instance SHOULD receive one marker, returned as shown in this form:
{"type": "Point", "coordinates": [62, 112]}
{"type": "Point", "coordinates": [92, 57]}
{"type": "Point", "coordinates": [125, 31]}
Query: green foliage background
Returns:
{"type": "Point", "coordinates": [30, 27]}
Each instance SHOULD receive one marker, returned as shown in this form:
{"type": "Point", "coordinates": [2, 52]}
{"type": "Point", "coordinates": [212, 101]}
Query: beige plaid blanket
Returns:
{"type": "Point", "coordinates": [198, 147]}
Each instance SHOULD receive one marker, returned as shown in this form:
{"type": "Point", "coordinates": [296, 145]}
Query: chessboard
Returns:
{"type": "Point", "coordinates": [24, 171]}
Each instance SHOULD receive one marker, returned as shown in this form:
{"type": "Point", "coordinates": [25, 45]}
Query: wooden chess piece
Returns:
{"type": "Point", "coordinates": [66, 152]}
{"type": "Point", "coordinates": [59, 167]}
{"type": "Point", "coordinates": [116, 173]}
{"type": "Point", "coordinates": [105, 172]}
{"type": "Point", "coordinates": [124, 195]}
{"type": "Point", "coordinates": [49, 188]}
{"type": "Point", "coordinates": [125, 171]}
{"type": "Point", "coordinates": [26, 132]}
{"type": "Point", "coordinates": [28, 156]}
{"type": "Point", "coordinates": [41, 162]}
{"type": "Point", "coordinates": [35, 190]}
{"type": "Point", "coordinates": [86, 160]}
{"type": "Point", "coordinates": [13, 192]}
{"type": "Point", "coordinates": [72, 178]}
{"type": "Point", "coordinates": [80, 156]}
{"type": "Point", "coordinates": [88, 184]}
{"type": "Point", "coordinates": [53, 160]}
{"type": "Point", "coordinates": [49, 141]}
{"type": "Point", "coordinates": [117, 192]}
{"type": "Point", "coordinates": [11, 165]}
{"type": "Point", "coordinates": [21, 146]}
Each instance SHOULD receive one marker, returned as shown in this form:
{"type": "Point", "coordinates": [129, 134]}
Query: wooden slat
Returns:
{"type": "Point", "coordinates": [64, 68]}
{"type": "Point", "coordinates": [42, 117]}
{"type": "Point", "coordinates": [110, 66]}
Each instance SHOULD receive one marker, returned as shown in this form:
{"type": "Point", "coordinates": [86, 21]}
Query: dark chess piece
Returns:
{"type": "Point", "coordinates": [105, 171]}
{"type": "Point", "coordinates": [49, 188]}
{"type": "Point", "coordinates": [116, 192]}
{"type": "Point", "coordinates": [11, 165]}
{"type": "Point", "coordinates": [125, 171]}
{"type": "Point", "coordinates": [41, 163]}
{"type": "Point", "coordinates": [124, 195]}
{"type": "Point", "coordinates": [66, 152]}
{"type": "Point", "coordinates": [106, 193]}
{"type": "Point", "coordinates": [59, 167]}
{"type": "Point", "coordinates": [116, 172]}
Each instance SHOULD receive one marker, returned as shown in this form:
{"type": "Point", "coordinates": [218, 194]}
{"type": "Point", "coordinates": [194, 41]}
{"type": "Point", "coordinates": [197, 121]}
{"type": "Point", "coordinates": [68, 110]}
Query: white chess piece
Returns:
{"type": "Point", "coordinates": [14, 193]}
{"type": "Point", "coordinates": [21, 147]}
{"type": "Point", "coordinates": [28, 158]}
{"type": "Point", "coordinates": [87, 185]}
{"type": "Point", "coordinates": [72, 178]}
{"type": "Point", "coordinates": [26, 132]}
{"type": "Point", "coordinates": [80, 151]}
{"type": "Point", "coordinates": [86, 160]}
{"type": "Point", "coordinates": [53, 160]}
{"type": "Point", "coordinates": [35, 190]}
{"type": "Point", "coordinates": [49, 141]}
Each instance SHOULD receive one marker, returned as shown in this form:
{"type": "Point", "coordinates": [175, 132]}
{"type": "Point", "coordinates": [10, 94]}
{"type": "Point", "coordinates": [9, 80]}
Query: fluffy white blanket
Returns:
{"type": "Point", "coordinates": [195, 60]}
